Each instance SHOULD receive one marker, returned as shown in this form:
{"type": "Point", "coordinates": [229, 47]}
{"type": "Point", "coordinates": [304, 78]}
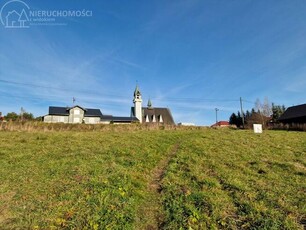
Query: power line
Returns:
{"type": "Point", "coordinates": [60, 89]}
{"type": "Point", "coordinates": [119, 96]}
{"type": "Point", "coordinates": [28, 84]}
{"type": "Point", "coordinates": [196, 99]}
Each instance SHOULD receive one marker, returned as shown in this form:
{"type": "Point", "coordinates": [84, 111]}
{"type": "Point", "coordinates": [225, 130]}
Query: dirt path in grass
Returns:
{"type": "Point", "coordinates": [160, 169]}
{"type": "Point", "coordinates": [153, 216]}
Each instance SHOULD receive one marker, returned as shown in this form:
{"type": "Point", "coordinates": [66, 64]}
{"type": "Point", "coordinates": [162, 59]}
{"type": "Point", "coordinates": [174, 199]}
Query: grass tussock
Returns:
{"type": "Point", "coordinates": [215, 179]}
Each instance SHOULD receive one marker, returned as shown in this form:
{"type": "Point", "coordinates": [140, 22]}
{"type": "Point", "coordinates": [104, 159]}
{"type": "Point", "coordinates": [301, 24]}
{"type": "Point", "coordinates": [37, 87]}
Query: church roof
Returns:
{"type": "Point", "coordinates": [163, 113]}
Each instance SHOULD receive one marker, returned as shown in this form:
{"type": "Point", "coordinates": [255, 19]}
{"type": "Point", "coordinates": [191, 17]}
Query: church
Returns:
{"type": "Point", "coordinates": [77, 114]}
{"type": "Point", "coordinates": [150, 114]}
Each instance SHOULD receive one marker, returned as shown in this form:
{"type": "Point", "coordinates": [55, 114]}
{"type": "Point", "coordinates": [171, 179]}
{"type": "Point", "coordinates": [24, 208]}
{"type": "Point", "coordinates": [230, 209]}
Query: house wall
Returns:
{"type": "Point", "coordinates": [105, 122]}
{"type": "Point", "coordinates": [92, 120]}
{"type": "Point", "coordinates": [122, 122]}
{"type": "Point", "coordinates": [298, 120]}
{"type": "Point", "coordinates": [76, 115]}
{"type": "Point", "coordinates": [55, 119]}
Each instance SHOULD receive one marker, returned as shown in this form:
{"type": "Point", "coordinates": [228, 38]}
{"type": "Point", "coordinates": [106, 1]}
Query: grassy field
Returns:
{"type": "Point", "coordinates": [152, 179]}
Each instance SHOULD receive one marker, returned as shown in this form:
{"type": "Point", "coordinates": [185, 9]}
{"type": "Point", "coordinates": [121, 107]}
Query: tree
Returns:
{"type": "Point", "coordinates": [247, 116]}
{"type": "Point", "coordinates": [239, 119]}
{"type": "Point", "coordinates": [27, 116]}
{"type": "Point", "coordinates": [233, 119]}
{"type": "Point", "coordinates": [236, 119]}
{"type": "Point", "coordinates": [277, 111]}
{"type": "Point", "coordinates": [264, 108]}
{"type": "Point", "coordinates": [258, 106]}
{"type": "Point", "coordinates": [24, 116]}
{"type": "Point", "coordinates": [257, 118]}
{"type": "Point", "coordinates": [11, 116]}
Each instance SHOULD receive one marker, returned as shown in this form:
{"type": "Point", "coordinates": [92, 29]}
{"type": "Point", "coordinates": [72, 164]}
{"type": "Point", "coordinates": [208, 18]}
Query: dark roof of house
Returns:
{"type": "Point", "coordinates": [93, 113]}
{"type": "Point", "coordinates": [118, 119]}
{"type": "Point", "coordinates": [106, 117]}
{"type": "Point", "coordinates": [64, 111]}
{"type": "Point", "coordinates": [125, 119]}
{"type": "Point", "coordinates": [294, 112]}
{"type": "Point", "coordinates": [53, 110]}
{"type": "Point", "coordinates": [165, 113]}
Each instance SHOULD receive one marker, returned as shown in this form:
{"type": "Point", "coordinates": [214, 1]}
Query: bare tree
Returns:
{"type": "Point", "coordinates": [258, 106]}
{"type": "Point", "coordinates": [266, 108]}
{"type": "Point", "coordinates": [263, 111]}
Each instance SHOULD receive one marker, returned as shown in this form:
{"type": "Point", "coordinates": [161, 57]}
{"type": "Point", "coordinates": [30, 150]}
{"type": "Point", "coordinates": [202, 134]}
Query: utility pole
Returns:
{"type": "Point", "coordinates": [216, 115]}
{"type": "Point", "coordinates": [242, 116]}
{"type": "Point", "coordinates": [22, 111]}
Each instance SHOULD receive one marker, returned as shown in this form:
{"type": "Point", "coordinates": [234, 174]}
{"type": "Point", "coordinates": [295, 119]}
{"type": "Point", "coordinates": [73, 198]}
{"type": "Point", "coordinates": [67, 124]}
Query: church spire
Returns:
{"type": "Point", "coordinates": [137, 104]}
{"type": "Point", "coordinates": [137, 91]}
{"type": "Point", "coordinates": [149, 104]}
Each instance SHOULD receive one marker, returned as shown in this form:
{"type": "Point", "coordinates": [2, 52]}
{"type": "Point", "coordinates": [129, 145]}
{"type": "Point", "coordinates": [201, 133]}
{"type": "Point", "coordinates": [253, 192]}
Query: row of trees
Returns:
{"type": "Point", "coordinates": [23, 116]}
{"type": "Point", "coordinates": [263, 113]}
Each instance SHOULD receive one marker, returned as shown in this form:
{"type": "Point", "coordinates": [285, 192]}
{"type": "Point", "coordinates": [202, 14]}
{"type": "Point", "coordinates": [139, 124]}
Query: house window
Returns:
{"type": "Point", "coordinates": [76, 112]}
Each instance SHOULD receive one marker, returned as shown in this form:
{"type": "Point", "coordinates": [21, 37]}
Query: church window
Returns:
{"type": "Point", "coordinates": [161, 119]}
{"type": "Point", "coordinates": [153, 118]}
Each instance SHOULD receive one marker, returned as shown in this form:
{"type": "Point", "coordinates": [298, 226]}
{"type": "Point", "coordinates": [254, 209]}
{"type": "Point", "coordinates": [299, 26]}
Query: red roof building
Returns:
{"type": "Point", "coordinates": [221, 124]}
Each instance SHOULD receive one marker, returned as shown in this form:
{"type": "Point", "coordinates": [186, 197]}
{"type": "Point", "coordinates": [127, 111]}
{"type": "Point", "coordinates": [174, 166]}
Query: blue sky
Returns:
{"type": "Point", "coordinates": [190, 56]}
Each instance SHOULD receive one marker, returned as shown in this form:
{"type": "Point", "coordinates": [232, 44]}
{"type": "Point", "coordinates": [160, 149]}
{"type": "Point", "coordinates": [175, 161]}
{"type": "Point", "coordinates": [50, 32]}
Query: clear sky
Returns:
{"type": "Point", "coordinates": [190, 56]}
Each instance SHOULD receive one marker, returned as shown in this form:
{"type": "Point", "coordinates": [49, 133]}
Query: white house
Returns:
{"type": "Point", "coordinates": [74, 115]}
{"type": "Point", "coordinates": [78, 114]}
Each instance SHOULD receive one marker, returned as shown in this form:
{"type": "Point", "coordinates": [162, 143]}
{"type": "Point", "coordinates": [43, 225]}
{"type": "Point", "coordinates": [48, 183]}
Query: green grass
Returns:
{"type": "Point", "coordinates": [149, 179]}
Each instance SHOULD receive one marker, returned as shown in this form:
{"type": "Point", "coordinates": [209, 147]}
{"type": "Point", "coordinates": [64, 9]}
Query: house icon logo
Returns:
{"type": "Point", "coordinates": [14, 14]}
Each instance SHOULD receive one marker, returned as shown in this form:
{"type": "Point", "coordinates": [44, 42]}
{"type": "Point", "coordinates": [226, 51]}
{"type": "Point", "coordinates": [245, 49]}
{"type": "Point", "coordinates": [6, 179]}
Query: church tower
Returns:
{"type": "Point", "coordinates": [137, 104]}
